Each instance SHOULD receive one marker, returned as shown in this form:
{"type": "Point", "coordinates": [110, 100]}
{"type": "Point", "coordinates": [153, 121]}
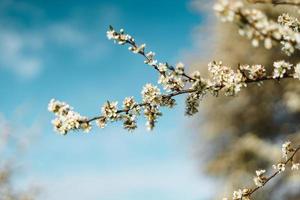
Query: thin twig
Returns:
{"type": "Point", "coordinates": [290, 159]}
{"type": "Point", "coordinates": [271, 36]}
{"type": "Point", "coordinates": [189, 91]}
{"type": "Point", "coordinates": [155, 66]}
{"type": "Point", "coordinates": [277, 2]}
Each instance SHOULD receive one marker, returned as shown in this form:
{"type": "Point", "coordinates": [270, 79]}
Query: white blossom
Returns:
{"type": "Point", "coordinates": [280, 68]}
{"type": "Point", "coordinates": [129, 103]}
{"type": "Point", "coordinates": [57, 107]}
{"type": "Point", "coordinates": [151, 113]}
{"type": "Point", "coordinates": [139, 49]}
{"type": "Point", "coordinates": [280, 167]}
{"type": "Point", "coordinates": [109, 110]}
{"type": "Point", "coordinates": [286, 148]}
{"type": "Point", "coordinates": [150, 58]}
{"type": "Point", "coordinates": [162, 67]}
{"type": "Point", "coordinates": [111, 34]}
{"type": "Point", "coordinates": [101, 122]}
{"type": "Point", "coordinates": [289, 21]}
{"type": "Point", "coordinates": [258, 182]}
{"type": "Point", "coordinates": [171, 82]}
{"type": "Point", "coordinates": [268, 43]}
{"type": "Point", "coordinates": [179, 68]}
{"type": "Point", "coordinates": [119, 37]}
{"type": "Point", "coordinates": [150, 94]}
{"type": "Point", "coordinates": [196, 75]}
{"type": "Point", "coordinates": [260, 172]}
{"type": "Point", "coordinates": [224, 77]}
{"type": "Point", "coordinates": [226, 9]}
{"type": "Point", "coordinates": [192, 103]}
{"type": "Point", "coordinates": [237, 195]}
{"type": "Point", "coordinates": [255, 42]}
{"type": "Point", "coordinates": [85, 126]}
{"type": "Point", "coordinates": [67, 119]}
{"type": "Point", "coordinates": [295, 166]}
{"type": "Point", "coordinates": [260, 179]}
{"type": "Point", "coordinates": [254, 72]}
{"type": "Point", "coordinates": [297, 71]}
{"type": "Point", "coordinates": [129, 122]}
{"type": "Point", "coordinates": [256, 26]}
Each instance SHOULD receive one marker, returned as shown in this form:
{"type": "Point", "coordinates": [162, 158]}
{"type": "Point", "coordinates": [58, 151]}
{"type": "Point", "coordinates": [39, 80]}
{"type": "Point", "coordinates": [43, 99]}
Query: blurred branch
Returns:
{"type": "Point", "coordinates": [289, 160]}
{"type": "Point", "coordinates": [261, 180]}
{"type": "Point", "coordinates": [258, 27]}
{"type": "Point", "coordinates": [278, 2]}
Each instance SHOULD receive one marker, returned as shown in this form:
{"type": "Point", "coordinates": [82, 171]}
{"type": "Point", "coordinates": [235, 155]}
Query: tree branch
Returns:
{"type": "Point", "coordinates": [175, 82]}
{"type": "Point", "coordinates": [277, 2]}
{"type": "Point", "coordinates": [189, 91]}
{"type": "Point", "coordinates": [289, 160]}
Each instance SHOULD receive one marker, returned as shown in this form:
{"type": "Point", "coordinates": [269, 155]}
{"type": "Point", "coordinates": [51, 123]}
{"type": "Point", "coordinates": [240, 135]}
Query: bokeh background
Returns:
{"type": "Point", "coordinates": [59, 49]}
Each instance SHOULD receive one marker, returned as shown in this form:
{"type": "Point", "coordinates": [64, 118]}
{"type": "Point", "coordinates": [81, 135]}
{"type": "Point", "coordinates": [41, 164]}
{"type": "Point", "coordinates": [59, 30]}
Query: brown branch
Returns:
{"type": "Point", "coordinates": [277, 2]}
{"type": "Point", "coordinates": [133, 46]}
{"type": "Point", "coordinates": [290, 159]}
{"type": "Point", "coordinates": [189, 91]}
{"type": "Point", "coordinates": [155, 66]}
{"type": "Point", "coordinates": [271, 36]}
{"type": "Point", "coordinates": [168, 96]}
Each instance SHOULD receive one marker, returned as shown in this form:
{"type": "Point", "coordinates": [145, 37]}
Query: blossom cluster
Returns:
{"type": "Point", "coordinates": [225, 77]}
{"type": "Point", "coordinates": [277, 2]}
{"type": "Point", "coordinates": [281, 68]}
{"type": "Point", "coordinates": [67, 119]}
{"type": "Point", "coordinates": [260, 179]}
{"type": "Point", "coordinates": [171, 78]}
{"type": "Point", "coordinates": [240, 194]}
{"type": "Point", "coordinates": [287, 150]}
{"type": "Point", "coordinates": [289, 21]}
{"type": "Point", "coordinates": [253, 72]}
{"type": "Point", "coordinates": [256, 26]}
{"type": "Point", "coordinates": [296, 74]}
{"type": "Point", "coordinates": [173, 81]}
{"type": "Point", "coordinates": [110, 113]}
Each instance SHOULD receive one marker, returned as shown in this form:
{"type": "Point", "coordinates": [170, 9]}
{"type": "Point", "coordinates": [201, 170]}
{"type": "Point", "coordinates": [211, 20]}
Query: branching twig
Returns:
{"type": "Point", "coordinates": [175, 81]}
{"type": "Point", "coordinates": [262, 33]}
{"type": "Point", "coordinates": [131, 42]}
{"type": "Point", "coordinates": [261, 180]}
{"type": "Point", "coordinates": [289, 160]}
{"type": "Point", "coordinates": [167, 96]}
{"type": "Point", "coordinates": [256, 26]}
{"type": "Point", "coordinates": [189, 91]}
{"type": "Point", "coordinates": [278, 2]}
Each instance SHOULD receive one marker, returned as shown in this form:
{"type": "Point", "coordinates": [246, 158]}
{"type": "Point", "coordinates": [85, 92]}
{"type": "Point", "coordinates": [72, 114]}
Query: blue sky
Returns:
{"type": "Point", "coordinates": [58, 49]}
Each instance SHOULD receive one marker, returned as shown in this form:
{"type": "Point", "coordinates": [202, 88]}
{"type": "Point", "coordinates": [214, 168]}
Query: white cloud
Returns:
{"type": "Point", "coordinates": [15, 56]}
{"type": "Point", "coordinates": [65, 33]}
{"type": "Point", "coordinates": [23, 49]}
{"type": "Point", "coordinates": [19, 48]}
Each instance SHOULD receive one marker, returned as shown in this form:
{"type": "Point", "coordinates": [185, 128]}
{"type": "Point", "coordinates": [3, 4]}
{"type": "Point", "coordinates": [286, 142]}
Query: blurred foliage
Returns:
{"type": "Point", "coordinates": [244, 133]}
{"type": "Point", "coordinates": [12, 147]}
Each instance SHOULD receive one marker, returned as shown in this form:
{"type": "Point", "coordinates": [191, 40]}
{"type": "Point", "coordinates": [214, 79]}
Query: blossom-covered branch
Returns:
{"type": "Point", "coordinates": [256, 26]}
{"type": "Point", "coordinates": [122, 39]}
{"type": "Point", "coordinates": [174, 81]}
{"type": "Point", "coordinates": [278, 2]}
{"type": "Point", "coordinates": [260, 180]}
